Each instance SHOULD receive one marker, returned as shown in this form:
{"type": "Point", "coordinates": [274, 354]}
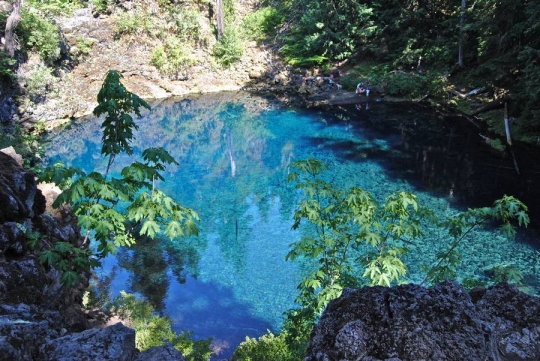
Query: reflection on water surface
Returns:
{"type": "Point", "coordinates": [234, 152]}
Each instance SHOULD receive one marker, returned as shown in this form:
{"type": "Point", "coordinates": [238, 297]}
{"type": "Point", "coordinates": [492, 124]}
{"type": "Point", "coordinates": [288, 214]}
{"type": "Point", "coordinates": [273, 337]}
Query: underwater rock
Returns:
{"type": "Point", "coordinates": [445, 322]}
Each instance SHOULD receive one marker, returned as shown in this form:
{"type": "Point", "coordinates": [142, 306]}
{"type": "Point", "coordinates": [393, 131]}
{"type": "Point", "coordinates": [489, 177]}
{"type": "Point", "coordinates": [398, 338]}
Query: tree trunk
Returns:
{"type": "Point", "coordinates": [11, 23]}
{"type": "Point", "coordinates": [461, 25]}
{"type": "Point", "coordinates": [497, 103]}
{"type": "Point", "coordinates": [509, 137]}
{"type": "Point", "coordinates": [219, 17]}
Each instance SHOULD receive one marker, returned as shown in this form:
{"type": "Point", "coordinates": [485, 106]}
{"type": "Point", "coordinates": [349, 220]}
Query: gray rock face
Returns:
{"type": "Point", "coordinates": [18, 189]}
{"type": "Point", "coordinates": [23, 279]}
{"type": "Point", "coordinates": [443, 323]}
{"type": "Point", "coordinates": [23, 328]}
{"type": "Point", "coordinates": [112, 343]}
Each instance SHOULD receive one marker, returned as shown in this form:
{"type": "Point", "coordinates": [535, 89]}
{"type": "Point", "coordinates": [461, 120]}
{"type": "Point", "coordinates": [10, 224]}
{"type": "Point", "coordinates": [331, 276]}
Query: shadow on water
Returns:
{"type": "Point", "coordinates": [211, 310]}
{"type": "Point", "coordinates": [443, 155]}
{"type": "Point", "coordinates": [153, 263]}
{"type": "Point", "coordinates": [208, 309]}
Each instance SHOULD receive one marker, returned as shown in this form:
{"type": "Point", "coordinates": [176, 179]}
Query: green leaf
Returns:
{"type": "Point", "coordinates": [70, 278]}
{"type": "Point", "coordinates": [174, 229]}
{"type": "Point", "coordinates": [49, 257]}
{"type": "Point", "coordinates": [150, 228]}
{"type": "Point", "coordinates": [158, 156]}
{"type": "Point", "coordinates": [523, 219]}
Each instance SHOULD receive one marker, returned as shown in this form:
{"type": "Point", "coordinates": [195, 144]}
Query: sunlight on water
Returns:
{"type": "Point", "coordinates": [234, 152]}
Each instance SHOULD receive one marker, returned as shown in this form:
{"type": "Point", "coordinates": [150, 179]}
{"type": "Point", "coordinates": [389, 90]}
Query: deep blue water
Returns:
{"type": "Point", "coordinates": [234, 152]}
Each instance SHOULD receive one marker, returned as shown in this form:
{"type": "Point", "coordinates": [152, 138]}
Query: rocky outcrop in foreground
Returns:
{"type": "Point", "coordinates": [412, 323]}
{"type": "Point", "coordinates": [39, 319]}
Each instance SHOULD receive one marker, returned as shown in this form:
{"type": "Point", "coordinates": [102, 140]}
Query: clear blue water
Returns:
{"type": "Point", "coordinates": [234, 152]}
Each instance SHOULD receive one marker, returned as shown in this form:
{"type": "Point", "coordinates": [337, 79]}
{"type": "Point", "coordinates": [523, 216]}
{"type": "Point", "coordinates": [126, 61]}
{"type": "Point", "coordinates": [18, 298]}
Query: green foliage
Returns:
{"type": "Point", "coordinates": [471, 283]}
{"type": "Point", "coordinates": [97, 294]}
{"type": "Point", "coordinates": [326, 30]}
{"type": "Point", "coordinates": [127, 23]}
{"type": "Point", "coordinates": [84, 45]}
{"type": "Point", "coordinates": [361, 73]}
{"type": "Point", "coordinates": [504, 272]}
{"type": "Point", "coordinates": [6, 66]}
{"type": "Point", "coordinates": [41, 35]}
{"type": "Point", "coordinates": [189, 26]}
{"type": "Point", "coordinates": [347, 228]}
{"type": "Point", "coordinates": [230, 48]}
{"type": "Point", "coordinates": [70, 260]}
{"type": "Point", "coordinates": [497, 145]}
{"type": "Point", "coordinates": [349, 234]}
{"type": "Point", "coordinates": [152, 330]}
{"type": "Point", "coordinates": [39, 82]}
{"type": "Point", "coordinates": [528, 94]}
{"type": "Point", "coordinates": [505, 211]}
{"type": "Point", "coordinates": [135, 22]}
{"type": "Point", "coordinates": [405, 84]}
{"type": "Point", "coordinates": [499, 42]}
{"type": "Point", "coordinates": [268, 347]}
{"type": "Point", "coordinates": [173, 58]}
{"type": "Point", "coordinates": [26, 142]}
{"type": "Point", "coordinates": [115, 210]}
{"type": "Point", "coordinates": [262, 23]}
{"type": "Point", "coordinates": [102, 6]}
{"type": "Point", "coordinates": [67, 258]}
{"type": "Point", "coordinates": [117, 103]}
{"type": "Point", "coordinates": [56, 7]}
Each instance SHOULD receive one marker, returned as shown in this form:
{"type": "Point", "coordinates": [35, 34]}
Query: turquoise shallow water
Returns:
{"type": "Point", "coordinates": [234, 152]}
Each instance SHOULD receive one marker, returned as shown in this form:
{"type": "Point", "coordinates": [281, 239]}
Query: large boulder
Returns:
{"type": "Point", "coordinates": [414, 323]}
{"type": "Point", "coordinates": [112, 343]}
{"type": "Point", "coordinates": [23, 279]}
{"type": "Point", "coordinates": [19, 198]}
{"type": "Point", "coordinates": [23, 328]}
{"type": "Point", "coordinates": [115, 342]}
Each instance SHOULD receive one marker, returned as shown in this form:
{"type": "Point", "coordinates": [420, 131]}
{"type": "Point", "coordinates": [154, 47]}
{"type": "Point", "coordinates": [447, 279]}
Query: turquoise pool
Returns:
{"type": "Point", "coordinates": [235, 150]}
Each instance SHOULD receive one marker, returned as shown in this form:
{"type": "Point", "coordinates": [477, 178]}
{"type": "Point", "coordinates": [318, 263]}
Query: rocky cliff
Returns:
{"type": "Point", "coordinates": [412, 323]}
{"type": "Point", "coordinates": [40, 319]}
{"type": "Point", "coordinates": [79, 75]}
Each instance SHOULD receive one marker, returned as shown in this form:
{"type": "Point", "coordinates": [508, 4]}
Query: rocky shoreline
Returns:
{"type": "Point", "coordinates": [79, 77]}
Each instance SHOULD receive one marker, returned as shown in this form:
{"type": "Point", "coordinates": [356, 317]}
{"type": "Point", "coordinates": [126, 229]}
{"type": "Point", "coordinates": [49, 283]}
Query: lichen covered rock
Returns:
{"type": "Point", "coordinates": [414, 323]}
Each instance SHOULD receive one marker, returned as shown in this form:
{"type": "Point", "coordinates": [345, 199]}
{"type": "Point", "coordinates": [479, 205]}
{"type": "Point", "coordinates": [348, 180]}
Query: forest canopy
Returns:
{"type": "Point", "coordinates": [493, 43]}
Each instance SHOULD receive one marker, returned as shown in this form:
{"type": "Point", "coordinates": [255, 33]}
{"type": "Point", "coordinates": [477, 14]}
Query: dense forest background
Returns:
{"type": "Point", "coordinates": [466, 44]}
